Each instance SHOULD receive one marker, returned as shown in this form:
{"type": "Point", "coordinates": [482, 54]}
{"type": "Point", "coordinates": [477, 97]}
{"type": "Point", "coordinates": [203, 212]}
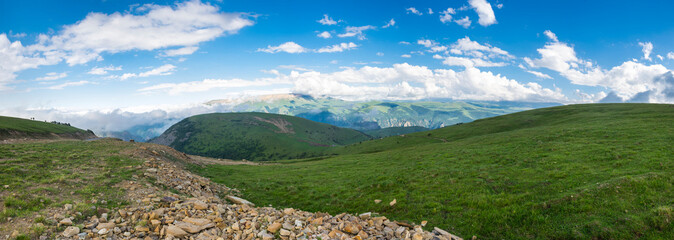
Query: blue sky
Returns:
{"type": "Point", "coordinates": [138, 56]}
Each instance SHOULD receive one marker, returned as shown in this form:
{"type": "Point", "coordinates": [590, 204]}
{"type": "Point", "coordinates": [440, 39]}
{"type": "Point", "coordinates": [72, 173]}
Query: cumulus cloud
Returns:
{"type": "Point", "coordinates": [163, 70]}
{"type": "Point", "coordinates": [52, 76]}
{"type": "Point", "coordinates": [464, 22]}
{"type": "Point", "coordinates": [390, 23]}
{"type": "Point", "coordinates": [103, 70]}
{"type": "Point", "coordinates": [325, 35]}
{"type": "Point", "coordinates": [148, 27]}
{"type": "Point", "coordinates": [628, 81]}
{"type": "Point", "coordinates": [468, 53]}
{"type": "Point", "coordinates": [539, 74]}
{"type": "Point", "coordinates": [484, 12]}
{"type": "Point", "coordinates": [337, 48]}
{"type": "Point", "coordinates": [413, 11]}
{"type": "Point", "coordinates": [356, 31]}
{"type": "Point", "coordinates": [408, 43]}
{"type": "Point", "coordinates": [326, 20]}
{"type": "Point", "coordinates": [430, 11]}
{"type": "Point", "coordinates": [181, 51]}
{"type": "Point", "coordinates": [68, 84]}
{"type": "Point", "coordinates": [288, 47]}
{"type": "Point", "coordinates": [406, 56]}
{"type": "Point", "coordinates": [646, 48]}
{"type": "Point", "coordinates": [209, 84]}
{"type": "Point", "coordinates": [552, 36]}
{"type": "Point", "coordinates": [670, 55]}
{"type": "Point", "coordinates": [446, 15]}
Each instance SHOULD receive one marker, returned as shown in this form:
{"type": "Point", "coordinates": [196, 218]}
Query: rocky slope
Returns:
{"type": "Point", "coordinates": [196, 210]}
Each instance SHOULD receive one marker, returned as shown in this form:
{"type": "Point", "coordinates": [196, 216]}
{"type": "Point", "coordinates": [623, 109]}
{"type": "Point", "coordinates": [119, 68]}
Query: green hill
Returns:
{"type": "Point", "coordinates": [598, 171]}
{"type": "Point", "coordinates": [394, 131]}
{"type": "Point", "coordinates": [255, 136]}
{"type": "Point", "coordinates": [19, 128]}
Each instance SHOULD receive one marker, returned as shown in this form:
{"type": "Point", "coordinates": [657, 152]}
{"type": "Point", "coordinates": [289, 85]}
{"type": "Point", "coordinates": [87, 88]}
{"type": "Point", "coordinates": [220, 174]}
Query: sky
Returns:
{"type": "Point", "coordinates": [80, 57]}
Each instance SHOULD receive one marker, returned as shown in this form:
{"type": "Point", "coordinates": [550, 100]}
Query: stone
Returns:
{"type": "Point", "coordinates": [191, 228]}
{"type": "Point", "coordinates": [68, 207]}
{"type": "Point", "coordinates": [199, 205]}
{"type": "Point", "coordinates": [175, 231]}
{"type": "Point", "coordinates": [365, 216]}
{"type": "Point", "coordinates": [417, 236]}
{"type": "Point", "coordinates": [392, 202]}
{"type": "Point", "coordinates": [71, 231]}
{"type": "Point", "coordinates": [274, 227]}
{"type": "Point", "coordinates": [155, 222]}
{"type": "Point", "coordinates": [108, 225]}
{"type": "Point", "coordinates": [239, 201]}
{"type": "Point", "coordinates": [423, 223]}
{"type": "Point", "coordinates": [284, 232]}
{"type": "Point", "coordinates": [66, 222]}
{"type": "Point", "coordinates": [142, 229]}
{"type": "Point", "coordinates": [197, 221]}
{"type": "Point", "coordinates": [377, 201]}
{"type": "Point", "coordinates": [103, 231]}
{"type": "Point", "coordinates": [351, 228]}
{"type": "Point", "coordinates": [288, 211]}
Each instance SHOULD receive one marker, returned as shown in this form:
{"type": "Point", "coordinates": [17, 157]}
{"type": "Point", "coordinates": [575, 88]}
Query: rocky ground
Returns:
{"type": "Point", "coordinates": [181, 205]}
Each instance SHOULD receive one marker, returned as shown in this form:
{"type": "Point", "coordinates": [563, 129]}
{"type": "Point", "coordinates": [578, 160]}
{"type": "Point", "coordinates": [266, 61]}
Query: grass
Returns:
{"type": "Point", "coordinates": [257, 136]}
{"type": "Point", "coordinates": [31, 126]}
{"type": "Point", "coordinates": [600, 171]}
{"type": "Point", "coordinates": [43, 175]}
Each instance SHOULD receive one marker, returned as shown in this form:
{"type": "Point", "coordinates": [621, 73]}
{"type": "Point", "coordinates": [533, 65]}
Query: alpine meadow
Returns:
{"type": "Point", "coordinates": [344, 120]}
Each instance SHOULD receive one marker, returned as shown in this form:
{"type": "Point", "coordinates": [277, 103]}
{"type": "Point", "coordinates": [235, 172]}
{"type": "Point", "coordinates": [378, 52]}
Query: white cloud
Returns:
{"type": "Point", "coordinates": [325, 35]}
{"type": "Point", "coordinates": [52, 76]}
{"type": "Point", "coordinates": [552, 36]}
{"type": "Point", "coordinates": [288, 47]}
{"type": "Point", "coordinates": [446, 16]}
{"type": "Point", "coordinates": [68, 84]}
{"type": "Point", "coordinates": [337, 48]}
{"type": "Point", "coordinates": [104, 70]}
{"type": "Point", "coordinates": [430, 11]}
{"type": "Point", "coordinates": [426, 43]}
{"type": "Point", "coordinates": [163, 70]}
{"type": "Point", "coordinates": [390, 23]}
{"type": "Point", "coordinates": [646, 48]}
{"type": "Point", "coordinates": [380, 54]}
{"type": "Point", "coordinates": [181, 51]}
{"type": "Point", "coordinates": [539, 74]}
{"type": "Point", "coordinates": [630, 81]}
{"type": "Point", "coordinates": [406, 56]}
{"type": "Point", "coordinates": [209, 84]}
{"type": "Point", "coordinates": [326, 20]}
{"type": "Point", "coordinates": [660, 57]}
{"type": "Point", "coordinates": [408, 43]}
{"type": "Point", "coordinates": [472, 48]}
{"type": "Point", "coordinates": [670, 55]}
{"type": "Point", "coordinates": [146, 28]}
{"type": "Point", "coordinates": [356, 31]}
{"type": "Point", "coordinates": [499, 6]}
{"type": "Point", "coordinates": [464, 22]}
{"type": "Point", "coordinates": [469, 62]}
{"type": "Point", "coordinates": [155, 27]}
{"type": "Point", "coordinates": [484, 12]}
{"type": "Point", "coordinates": [413, 11]}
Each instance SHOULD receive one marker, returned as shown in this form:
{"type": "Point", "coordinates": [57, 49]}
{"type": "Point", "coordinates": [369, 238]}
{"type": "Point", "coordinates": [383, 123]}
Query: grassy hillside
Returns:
{"type": "Point", "coordinates": [11, 127]}
{"type": "Point", "coordinates": [394, 131]}
{"type": "Point", "coordinates": [255, 136]}
{"type": "Point", "coordinates": [600, 171]}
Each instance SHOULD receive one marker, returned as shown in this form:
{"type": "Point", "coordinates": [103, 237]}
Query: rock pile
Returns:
{"type": "Point", "coordinates": [201, 214]}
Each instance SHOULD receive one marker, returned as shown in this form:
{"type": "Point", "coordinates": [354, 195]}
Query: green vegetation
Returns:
{"type": "Point", "coordinates": [394, 131]}
{"type": "Point", "coordinates": [10, 126]}
{"type": "Point", "coordinates": [600, 171]}
{"type": "Point", "coordinates": [255, 136]}
{"type": "Point", "coordinates": [42, 175]}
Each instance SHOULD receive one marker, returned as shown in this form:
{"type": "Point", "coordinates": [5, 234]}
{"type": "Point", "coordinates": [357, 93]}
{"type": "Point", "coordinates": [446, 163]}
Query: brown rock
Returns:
{"type": "Point", "coordinates": [274, 227]}
{"type": "Point", "coordinates": [66, 222]}
{"type": "Point", "coordinates": [377, 201]}
{"type": "Point", "coordinates": [71, 231]}
{"type": "Point", "coordinates": [392, 202]}
{"type": "Point", "coordinates": [109, 226]}
{"type": "Point", "coordinates": [175, 231]}
{"type": "Point", "coordinates": [199, 205]}
{"type": "Point", "coordinates": [197, 221]}
{"type": "Point", "coordinates": [351, 228]}
{"type": "Point", "coordinates": [240, 201]}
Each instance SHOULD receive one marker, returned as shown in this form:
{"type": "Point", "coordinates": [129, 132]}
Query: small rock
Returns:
{"type": "Point", "coordinates": [377, 201]}
{"type": "Point", "coordinates": [392, 202]}
{"type": "Point", "coordinates": [103, 231]}
{"type": "Point", "coordinates": [199, 205]}
{"type": "Point", "coordinates": [175, 231]}
{"type": "Point", "coordinates": [285, 232]}
{"type": "Point", "coordinates": [197, 221]}
{"type": "Point", "coordinates": [274, 227]}
{"type": "Point", "coordinates": [240, 201]}
{"type": "Point", "coordinates": [6, 186]}
{"type": "Point", "coordinates": [66, 222]}
{"type": "Point", "coordinates": [108, 226]}
{"type": "Point", "coordinates": [365, 216]}
{"type": "Point", "coordinates": [71, 231]}
{"type": "Point", "coordinates": [423, 223]}
{"type": "Point", "coordinates": [152, 170]}
{"type": "Point", "coordinates": [288, 211]}
{"type": "Point", "coordinates": [68, 207]}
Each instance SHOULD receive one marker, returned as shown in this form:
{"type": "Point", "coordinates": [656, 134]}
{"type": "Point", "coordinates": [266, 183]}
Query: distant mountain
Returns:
{"type": "Point", "coordinates": [18, 128]}
{"type": "Point", "coordinates": [255, 136]}
{"type": "Point", "coordinates": [359, 115]}
{"type": "Point", "coordinates": [393, 131]}
{"type": "Point", "coordinates": [370, 115]}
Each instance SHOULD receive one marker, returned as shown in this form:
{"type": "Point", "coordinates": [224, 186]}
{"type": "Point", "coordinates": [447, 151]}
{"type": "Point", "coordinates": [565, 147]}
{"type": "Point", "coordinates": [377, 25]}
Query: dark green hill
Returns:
{"type": "Point", "coordinates": [394, 131]}
{"type": "Point", "coordinates": [19, 128]}
{"type": "Point", "coordinates": [597, 171]}
{"type": "Point", "coordinates": [255, 136]}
